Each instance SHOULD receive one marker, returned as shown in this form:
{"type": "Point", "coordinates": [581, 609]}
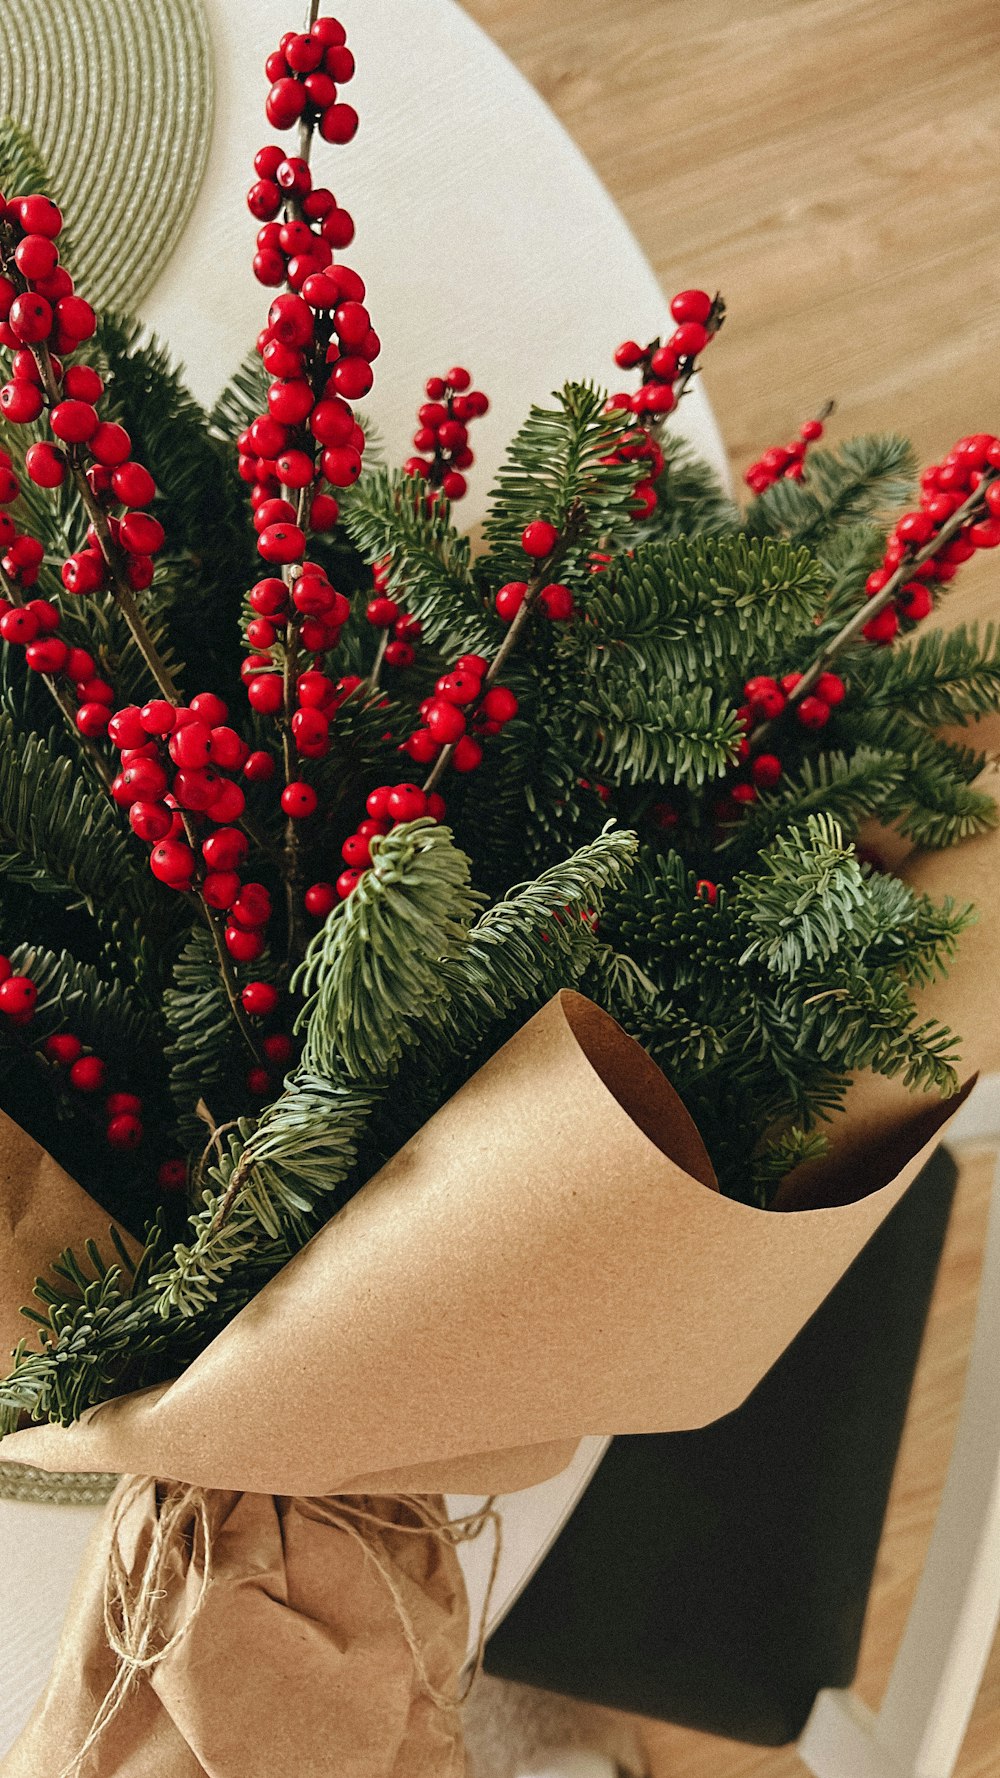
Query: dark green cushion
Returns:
{"type": "Point", "coordinates": [719, 1578]}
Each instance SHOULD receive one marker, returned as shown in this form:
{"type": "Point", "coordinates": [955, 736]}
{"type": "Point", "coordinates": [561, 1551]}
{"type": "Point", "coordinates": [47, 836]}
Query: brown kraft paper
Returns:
{"type": "Point", "coordinates": [548, 1257]}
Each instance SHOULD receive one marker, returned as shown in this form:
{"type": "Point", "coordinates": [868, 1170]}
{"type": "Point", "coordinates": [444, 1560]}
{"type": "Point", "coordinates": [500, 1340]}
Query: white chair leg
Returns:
{"type": "Point", "coordinates": [930, 1697]}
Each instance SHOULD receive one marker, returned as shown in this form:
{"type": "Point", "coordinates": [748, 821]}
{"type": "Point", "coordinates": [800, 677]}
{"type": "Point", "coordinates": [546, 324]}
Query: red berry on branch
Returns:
{"type": "Point", "coordinates": [468, 754]}
{"type": "Point", "coordinates": [539, 538]}
{"type": "Point", "coordinates": [557, 602]}
{"type": "Point", "coordinates": [706, 891]}
{"type": "Point", "coordinates": [299, 800]}
{"type": "Point", "coordinates": [18, 996]}
{"type": "Point", "coordinates": [404, 802]}
{"type": "Point", "coordinates": [110, 445]}
{"type": "Point", "coordinates": [320, 899]}
{"type": "Point", "coordinates": [62, 1049]}
{"type": "Point", "coordinates": [173, 862]}
{"type": "Point", "coordinates": [882, 627]}
{"type": "Point", "coordinates": [259, 999]}
{"type": "Point", "coordinates": [171, 1176]}
{"type": "Point", "coordinates": [628, 355]}
{"type": "Point", "coordinates": [831, 688]}
{"type": "Point", "coordinates": [766, 770]}
{"type": "Point", "coordinates": [690, 338]}
{"type": "Point", "coordinates": [150, 821]}
{"type": "Point", "coordinates": [339, 123]}
{"type": "Point", "coordinates": [509, 599]}
{"type": "Point", "coordinates": [88, 1074]}
{"type": "Point", "coordinates": [258, 1082]}
{"type": "Point", "coordinates": [813, 712]}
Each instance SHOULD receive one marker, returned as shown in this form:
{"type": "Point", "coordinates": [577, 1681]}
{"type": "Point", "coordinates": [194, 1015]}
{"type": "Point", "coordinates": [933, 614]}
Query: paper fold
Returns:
{"type": "Point", "coordinates": [548, 1257]}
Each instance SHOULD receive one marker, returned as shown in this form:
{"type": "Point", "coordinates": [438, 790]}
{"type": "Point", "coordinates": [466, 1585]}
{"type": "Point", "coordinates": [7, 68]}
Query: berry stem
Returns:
{"type": "Point", "coordinates": [571, 530]}
{"type": "Point", "coordinates": [122, 593]}
{"type": "Point", "coordinates": [229, 979]}
{"type": "Point", "coordinates": [871, 607]}
{"type": "Point", "coordinates": [375, 675]}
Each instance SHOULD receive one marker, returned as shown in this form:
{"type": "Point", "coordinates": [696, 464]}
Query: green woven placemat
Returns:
{"type": "Point", "coordinates": [20, 1483]}
{"type": "Point", "coordinates": [118, 97]}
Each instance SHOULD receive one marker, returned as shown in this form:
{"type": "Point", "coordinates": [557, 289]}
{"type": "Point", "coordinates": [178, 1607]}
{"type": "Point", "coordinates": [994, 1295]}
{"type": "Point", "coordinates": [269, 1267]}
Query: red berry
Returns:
{"type": "Point", "coordinates": [21, 402]}
{"type": "Point", "coordinates": [171, 1176]}
{"type": "Point", "coordinates": [338, 123]}
{"type": "Point", "coordinates": [766, 770]}
{"type": "Point", "coordinates": [74, 421]}
{"type": "Point", "coordinates": [150, 821]}
{"type": "Point", "coordinates": [509, 599]}
{"type": "Point", "coordinates": [499, 704]}
{"type": "Point", "coordinates": [45, 465]}
{"type": "Point", "coordinates": [62, 1049]}
{"type": "Point", "coordinates": [243, 945]}
{"type": "Point", "coordinates": [445, 721]}
{"type": "Point", "coordinates": [831, 688]}
{"type": "Point", "coordinates": [628, 355]}
{"type": "Point", "coordinates": [132, 484]}
{"type": "Point", "coordinates": [259, 999]}
{"type": "Point", "coordinates": [557, 602]}
{"type": "Point", "coordinates": [810, 430]}
{"type": "Point", "coordinates": [468, 755]}
{"type": "Point", "coordinates": [915, 528]}
{"type": "Point", "coordinates": [690, 338]}
{"type": "Point", "coordinates": [320, 899]}
{"type": "Point", "coordinates": [914, 601]}
{"type": "Point", "coordinates": [30, 319]}
{"type": "Point", "coordinates": [76, 319]}
{"type": "Point", "coordinates": [299, 800]}
{"type": "Point", "coordinates": [813, 712]}
{"type": "Point", "coordinates": [88, 1074]}
{"type": "Point", "coordinates": [882, 627]}
{"type": "Point", "coordinates": [259, 767]}
{"type": "Point", "coordinates": [172, 862]}
{"type": "Point", "coordinates": [459, 687]}
{"type": "Point", "coordinates": [18, 996]}
{"type": "Point", "coordinates": [191, 746]}
{"type": "Point", "coordinates": [691, 305]}
{"type": "Point", "coordinates": [258, 1081]}
{"type": "Point", "coordinates": [265, 693]}
{"type": "Point", "coordinates": [404, 802]}
{"type": "Point", "coordinates": [539, 538]}
{"type": "Point", "coordinates": [421, 745]}
{"type": "Point", "coordinates": [707, 891]}
{"type": "Point", "coordinates": [110, 444]}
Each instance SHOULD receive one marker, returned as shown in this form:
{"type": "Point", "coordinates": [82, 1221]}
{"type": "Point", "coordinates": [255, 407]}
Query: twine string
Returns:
{"type": "Point", "coordinates": [134, 1597]}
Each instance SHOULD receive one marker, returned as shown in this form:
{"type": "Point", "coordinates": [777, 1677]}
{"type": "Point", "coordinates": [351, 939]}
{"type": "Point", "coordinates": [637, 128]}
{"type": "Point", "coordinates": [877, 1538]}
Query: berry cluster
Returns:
{"type": "Point", "coordinates": [443, 431]}
{"type": "Point", "coordinates": [666, 368]}
{"type": "Point", "coordinates": [765, 700]}
{"type": "Point", "coordinates": [786, 461]}
{"type": "Point", "coordinates": [944, 488]}
{"type": "Point", "coordinates": [555, 600]}
{"type": "Point", "coordinates": [44, 321]}
{"type": "Point", "coordinates": [305, 72]}
{"type": "Point", "coordinates": [85, 1073]}
{"type": "Point", "coordinates": [33, 626]}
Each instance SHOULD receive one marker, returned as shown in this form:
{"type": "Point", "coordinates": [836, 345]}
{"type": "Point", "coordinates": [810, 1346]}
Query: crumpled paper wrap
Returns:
{"type": "Point", "coordinates": [548, 1257]}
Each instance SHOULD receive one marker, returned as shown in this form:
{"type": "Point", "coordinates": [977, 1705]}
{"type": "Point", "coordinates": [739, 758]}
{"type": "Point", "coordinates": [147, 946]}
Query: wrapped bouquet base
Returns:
{"type": "Point", "coordinates": [596, 1282]}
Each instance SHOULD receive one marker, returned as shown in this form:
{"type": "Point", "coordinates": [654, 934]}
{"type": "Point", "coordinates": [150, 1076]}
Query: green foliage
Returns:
{"type": "Point", "coordinates": [943, 676]}
{"type": "Point", "coordinates": [381, 953]}
{"type": "Point", "coordinates": [557, 466]}
{"type": "Point", "coordinates": [61, 836]}
{"type": "Point", "coordinates": [386, 514]}
{"type": "Point", "coordinates": [691, 501]}
{"type": "Point", "coordinates": [203, 1041]}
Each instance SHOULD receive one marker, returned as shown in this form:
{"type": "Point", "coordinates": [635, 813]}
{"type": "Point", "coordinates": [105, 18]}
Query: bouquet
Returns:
{"type": "Point", "coordinates": [362, 890]}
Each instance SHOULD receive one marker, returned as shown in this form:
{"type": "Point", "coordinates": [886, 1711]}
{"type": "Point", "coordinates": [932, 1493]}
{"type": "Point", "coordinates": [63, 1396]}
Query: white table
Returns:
{"type": "Point", "coordinates": [485, 239]}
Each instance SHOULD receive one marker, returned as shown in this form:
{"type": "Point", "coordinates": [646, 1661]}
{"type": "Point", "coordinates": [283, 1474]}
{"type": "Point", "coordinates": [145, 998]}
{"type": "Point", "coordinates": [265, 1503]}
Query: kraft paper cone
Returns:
{"type": "Point", "coordinates": [296, 1662]}
{"type": "Point", "coordinates": [42, 1212]}
{"type": "Point", "coordinates": [546, 1258]}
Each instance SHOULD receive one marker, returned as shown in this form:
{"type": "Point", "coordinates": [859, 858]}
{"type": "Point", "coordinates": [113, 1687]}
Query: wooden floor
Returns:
{"type": "Point", "coordinates": [832, 167]}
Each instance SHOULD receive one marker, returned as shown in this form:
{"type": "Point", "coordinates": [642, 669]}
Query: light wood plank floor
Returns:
{"type": "Point", "coordinates": [831, 166]}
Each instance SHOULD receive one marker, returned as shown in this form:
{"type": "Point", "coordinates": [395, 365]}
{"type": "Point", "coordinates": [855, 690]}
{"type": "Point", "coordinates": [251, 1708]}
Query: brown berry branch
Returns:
{"type": "Point", "coordinates": [854, 626]}
{"type": "Point", "coordinates": [571, 532]}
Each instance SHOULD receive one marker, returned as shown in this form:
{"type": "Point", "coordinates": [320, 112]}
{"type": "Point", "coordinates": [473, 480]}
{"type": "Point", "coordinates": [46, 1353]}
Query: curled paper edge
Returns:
{"type": "Point", "coordinates": [546, 1258]}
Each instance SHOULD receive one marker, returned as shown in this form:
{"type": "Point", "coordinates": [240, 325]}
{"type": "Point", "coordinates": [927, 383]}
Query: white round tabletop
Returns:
{"type": "Point", "coordinates": [484, 238]}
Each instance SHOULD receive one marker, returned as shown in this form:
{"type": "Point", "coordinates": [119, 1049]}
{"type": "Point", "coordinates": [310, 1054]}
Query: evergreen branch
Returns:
{"type": "Point", "coordinates": [61, 836]}
{"type": "Point", "coordinates": [388, 517]}
{"type": "Point", "coordinates": [942, 676]}
{"type": "Point", "coordinates": [633, 734]}
{"type": "Point", "coordinates": [376, 966]}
